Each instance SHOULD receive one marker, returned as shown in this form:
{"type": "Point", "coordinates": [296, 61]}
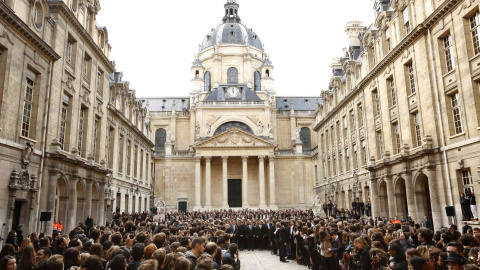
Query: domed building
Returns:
{"type": "Point", "coordinates": [231, 142]}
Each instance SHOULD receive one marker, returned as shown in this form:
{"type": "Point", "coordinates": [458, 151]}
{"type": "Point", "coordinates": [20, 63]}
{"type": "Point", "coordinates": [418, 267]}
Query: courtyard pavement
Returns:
{"type": "Point", "coordinates": [264, 260]}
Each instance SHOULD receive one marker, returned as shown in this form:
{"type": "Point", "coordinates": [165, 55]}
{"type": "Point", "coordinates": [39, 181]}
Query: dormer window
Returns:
{"type": "Point", "coordinates": [406, 20]}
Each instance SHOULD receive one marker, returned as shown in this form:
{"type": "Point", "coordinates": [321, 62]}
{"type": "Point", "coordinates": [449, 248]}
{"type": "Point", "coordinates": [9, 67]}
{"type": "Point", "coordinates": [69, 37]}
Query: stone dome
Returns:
{"type": "Point", "coordinates": [231, 33]}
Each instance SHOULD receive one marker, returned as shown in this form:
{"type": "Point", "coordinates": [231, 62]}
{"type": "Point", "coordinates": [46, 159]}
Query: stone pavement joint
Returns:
{"type": "Point", "coordinates": [264, 260]}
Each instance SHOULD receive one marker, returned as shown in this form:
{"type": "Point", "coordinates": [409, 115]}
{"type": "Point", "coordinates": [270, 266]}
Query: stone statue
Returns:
{"type": "Point", "coordinates": [260, 128]}
{"type": "Point", "coordinates": [27, 155]}
{"type": "Point", "coordinates": [169, 135]}
{"type": "Point", "coordinates": [209, 128]}
{"type": "Point", "coordinates": [317, 206]}
{"type": "Point", "coordinates": [197, 130]}
{"type": "Point", "coordinates": [297, 131]}
{"type": "Point", "coordinates": [270, 128]}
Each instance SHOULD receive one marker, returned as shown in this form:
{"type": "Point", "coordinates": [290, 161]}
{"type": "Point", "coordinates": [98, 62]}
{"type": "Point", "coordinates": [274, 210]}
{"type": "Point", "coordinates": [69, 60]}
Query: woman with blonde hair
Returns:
{"type": "Point", "coordinates": [423, 250]}
{"type": "Point", "coordinates": [362, 257]}
{"type": "Point", "coordinates": [182, 264]}
{"type": "Point", "coordinates": [326, 255]}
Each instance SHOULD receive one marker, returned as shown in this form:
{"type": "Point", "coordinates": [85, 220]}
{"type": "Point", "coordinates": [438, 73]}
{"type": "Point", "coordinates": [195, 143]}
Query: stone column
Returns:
{"type": "Point", "coordinates": [208, 182]}
{"type": "Point", "coordinates": [88, 198]}
{"type": "Point", "coordinates": [273, 193]}
{"type": "Point", "coordinates": [261, 179]}
{"type": "Point", "coordinates": [390, 197]}
{"type": "Point", "coordinates": [412, 210]}
{"type": "Point", "coordinates": [245, 182]}
{"type": "Point", "coordinates": [225, 182]}
{"type": "Point", "coordinates": [434, 199]}
{"type": "Point", "coordinates": [198, 172]}
{"type": "Point", "coordinates": [131, 197]}
{"type": "Point", "coordinates": [101, 214]}
{"type": "Point", "coordinates": [72, 204]}
{"type": "Point", "coordinates": [374, 196]}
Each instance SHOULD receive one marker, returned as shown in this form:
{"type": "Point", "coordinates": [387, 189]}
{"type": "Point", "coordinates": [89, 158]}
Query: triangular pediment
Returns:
{"type": "Point", "coordinates": [234, 138]}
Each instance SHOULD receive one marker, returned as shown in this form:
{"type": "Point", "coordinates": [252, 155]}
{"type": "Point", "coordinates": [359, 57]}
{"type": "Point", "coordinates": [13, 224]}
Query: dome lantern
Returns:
{"type": "Point", "coordinates": [231, 12]}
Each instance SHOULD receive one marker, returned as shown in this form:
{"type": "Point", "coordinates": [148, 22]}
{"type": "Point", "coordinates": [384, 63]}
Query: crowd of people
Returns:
{"type": "Point", "coordinates": [212, 240]}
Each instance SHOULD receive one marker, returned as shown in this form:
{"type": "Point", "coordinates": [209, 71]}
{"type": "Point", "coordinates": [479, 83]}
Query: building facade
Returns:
{"type": "Point", "coordinates": [231, 142]}
{"type": "Point", "coordinates": [400, 121]}
{"type": "Point", "coordinates": [58, 119]}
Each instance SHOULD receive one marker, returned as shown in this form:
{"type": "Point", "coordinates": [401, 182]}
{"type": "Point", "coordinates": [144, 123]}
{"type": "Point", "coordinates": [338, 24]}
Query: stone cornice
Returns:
{"type": "Point", "coordinates": [419, 31]}
{"type": "Point", "coordinates": [202, 145]}
{"type": "Point", "coordinates": [7, 13]}
{"type": "Point", "coordinates": [60, 7]}
{"type": "Point", "coordinates": [125, 121]}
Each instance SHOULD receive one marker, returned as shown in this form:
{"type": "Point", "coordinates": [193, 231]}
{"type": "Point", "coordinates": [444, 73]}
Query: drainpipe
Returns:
{"type": "Point", "coordinates": [442, 137]}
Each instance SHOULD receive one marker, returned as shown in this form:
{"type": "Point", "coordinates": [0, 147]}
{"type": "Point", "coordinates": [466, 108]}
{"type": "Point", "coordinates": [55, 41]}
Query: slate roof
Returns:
{"type": "Point", "coordinates": [299, 103]}
{"type": "Point", "coordinates": [165, 104]}
{"type": "Point", "coordinates": [247, 95]}
{"type": "Point", "coordinates": [231, 33]}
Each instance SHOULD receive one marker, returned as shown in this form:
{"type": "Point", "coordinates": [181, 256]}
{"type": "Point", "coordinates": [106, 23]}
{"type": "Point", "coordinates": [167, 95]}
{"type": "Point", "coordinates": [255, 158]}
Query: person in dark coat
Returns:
{"type": "Point", "coordinates": [230, 255]}
{"type": "Point", "coordinates": [282, 238]}
{"type": "Point", "coordinates": [241, 235]}
{"type": "Point", "coordinates": [330, 209]}
{"type": "Point", "coordinates": [250, 232]}
{"type": "Point", "coordinates": [399, 260]}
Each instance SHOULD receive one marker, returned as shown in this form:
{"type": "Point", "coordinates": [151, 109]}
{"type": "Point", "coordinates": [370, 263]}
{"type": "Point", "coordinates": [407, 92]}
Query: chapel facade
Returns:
{"type": "Point", "coordinates": [231, 142]}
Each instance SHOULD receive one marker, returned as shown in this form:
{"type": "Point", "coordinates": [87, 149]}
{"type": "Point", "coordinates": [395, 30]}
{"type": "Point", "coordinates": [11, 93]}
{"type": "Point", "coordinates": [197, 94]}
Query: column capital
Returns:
{"type": "Point", "coordinates": [244, 158]}
{"type": "Point", "coordinates": [198, 158]}
{"type": "Point", "coordinates": [261, 158]}
{"type": "Point", "coordinates": [208, 159]}
{"type": "Point", "coordinates": [224, 158]}
{"type": "Point", "coordinates": [271, 158]}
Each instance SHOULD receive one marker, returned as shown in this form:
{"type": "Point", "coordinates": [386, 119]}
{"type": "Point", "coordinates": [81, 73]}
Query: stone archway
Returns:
{"type": "Point", "coordinates": [382, 196]}
{"type": "Point", "coordinates": [61, 201]}
{"type": "Point", "coordinates": [80, 203]}
{"type": "Point", "coordinates": [401, 198]}
{"type": "Point", "coordinates": [232, 124]}
{"type": "Point", "coordinates": [422, 197]}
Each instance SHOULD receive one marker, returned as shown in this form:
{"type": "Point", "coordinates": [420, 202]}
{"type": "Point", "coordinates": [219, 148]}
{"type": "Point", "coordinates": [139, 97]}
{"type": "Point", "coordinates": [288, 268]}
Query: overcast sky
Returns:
{"type": "Point", "coordinates": [154, 41]}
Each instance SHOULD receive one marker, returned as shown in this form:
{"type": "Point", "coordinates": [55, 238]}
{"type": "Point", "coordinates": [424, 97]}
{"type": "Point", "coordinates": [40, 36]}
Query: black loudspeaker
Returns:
{"type": "Point", "coordinates": [45, 216]}
{"type": "Point", "coordinates": [450, 211]}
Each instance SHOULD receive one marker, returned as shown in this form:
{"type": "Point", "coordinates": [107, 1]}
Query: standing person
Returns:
{"type": "Point", "coordinates": [241, 235]}
{"type": "Point", "coordinates": [354, 208]}
{"type": "Point", "coordinates": [327, 259]}
{"type": "Point", "coordinates": [27, 259]}
{"type": "Point", "coordinates": [281, 235]}
{"type": "Point", "coordinates": [20, 233]}
{"type": "Point", "coordinates": [362, 208]}
{"type": "Point", "coordinates": [291, 244]}
{"type": "Point", "coordinates": [465, 207]}
{"type": "Point", "coordinates": [330, 208]}
{"type": "Point", "coordinates": [249, 233]}
{"type": "Point", "coordinates": [325, 208]}
{"type": "Point", "coordinates": [368, 209]}
{"type": "Point", "coordinates": [427, 223]}
{"type": "Point", "coordinates": [89, 223]}
{"type": "Point", "coordinates": [473, 206]}
{"type": "Point", "coordinates": [59, 227]}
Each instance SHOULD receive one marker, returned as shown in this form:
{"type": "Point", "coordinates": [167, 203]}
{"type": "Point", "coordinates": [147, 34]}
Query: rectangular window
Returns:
{"type": "Point", "coordinates": [360, 115]}
{"type": "Point", "coordinates": [387, 38]}
{"type": "Point", "coordinates": [111, 146]}
{"type": "Point", "coordinates": [380, 148]}
{"type": "Point", "coordinates": [339, 130]}
{"type": "Point", "coordinates": [392, 92]}
{"type": "Point", "coordinates": [396, 138]}
{"type": "Point", "coordinates": [474, 30]}
{"type": "Point", "coordinates": [340, 166]}
{"type": "Point", "coordinates": [448, 47]}
{"type": "Point", "coordinates": [88, 21]}
{"type": "Point", "coordinates": [374, 58]}
{"type": "Point", "coordinates": [406, 20]}
{"type": "Point", "coordinates": [135, 161]}
{"type": "Point", "coordinates": [364, 153]}
{"type": "Point", "coordinates": [87, 62]}
{"type": "Point", "coordinates": [120, 154]}
{"type": "Point", "coordinates": [324, 170]}
{"type": "Point", "coordinates": [96, 139]}
{"type": "Point", "coordinates": [467, 178]}
{"type": "Point", "coordinates": [457, 114]}
{"type": "Point", "coordinates": [69, 53]}
{"type": "Point", "coordinates": [81, 122]}
{"type": "Point", "coordinates": [417, 130]}
{"type": "Point", "coordinates": [129, 157]}
{"type": "Point", "coordinates": [376, 101]}
{"type": "Point", "coordinates": [355, 161]}
{"type": "Point", "coordinates": [345, 125]}
{"type": "Point", "coordinates": [63, 123]}
{"type": "Point", "coordinates": [411, 77]}
{"type": "Point", "coordinates": [99, 85]}
{"type": "Point", "coordinates": [352, 120]}
{"type": "Point", "coordinates": [347, 159]}
{"type": "Point", "coordinates": [28, 103]}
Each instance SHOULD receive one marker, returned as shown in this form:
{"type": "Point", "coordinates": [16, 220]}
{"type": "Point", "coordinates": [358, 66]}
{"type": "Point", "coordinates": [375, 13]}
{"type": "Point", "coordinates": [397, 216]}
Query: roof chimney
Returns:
{"type": "Point", "coordinates": [352, 29]}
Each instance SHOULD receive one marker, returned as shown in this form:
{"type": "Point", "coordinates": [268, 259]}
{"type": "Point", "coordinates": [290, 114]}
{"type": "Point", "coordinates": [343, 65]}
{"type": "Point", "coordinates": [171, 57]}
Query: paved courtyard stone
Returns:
{"type": "Point", "coordinates": [264, 260]}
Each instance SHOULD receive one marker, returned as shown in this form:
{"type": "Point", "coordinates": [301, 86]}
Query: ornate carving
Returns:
{"type": "Point", "coordinates": [212, 119]}
{"type": "Point", "coordinates": [27, 155]}
{"type": "Point", "coordinates": [255, 119]}
{"type": "Point", "coordinates": [260, 128]}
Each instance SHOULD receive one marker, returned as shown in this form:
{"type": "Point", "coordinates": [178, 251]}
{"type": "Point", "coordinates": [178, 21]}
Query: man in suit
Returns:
{"type": "Point", "coordinates": [250, 233]}
{"type": "Point", "coordinates": [268, 232]}
{"type": "Point", "coordinates": [362, 208]}
{"type": "Point", "coordinates": [273, 240]}
{"type": "Point", "coordinates": [232, 231]}
{"type": "Point", "coordinates": [241, 235]}
{"type": "Point", "coordinates": [282, 239]}
{"type": "Point", "coordinates": [260, 233]}
{"type": "Point", "coordinates": [292, 232]}
{"type": "Point", "coordinates": [330, 208]}
{"type": "Point", "coordinates": [354, 208]}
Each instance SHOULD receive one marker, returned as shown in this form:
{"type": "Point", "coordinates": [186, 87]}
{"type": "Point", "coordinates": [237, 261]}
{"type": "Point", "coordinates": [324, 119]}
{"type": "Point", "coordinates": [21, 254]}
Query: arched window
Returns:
{"type": "Point", "coordinates": [160, 139]}
{"type": "Point", "coordinates": [232, 75]}
{"type": "Point", "coordinates": [229, 125]}
{"type": "Point", "coordinates": [197, 74]}
{"type": "Point", "coordinates": [208, 82]}
{"type": "Point", "coordinates": [257, 81]}
{"type": "Point", "coordinates": [305, 138]}
{"type": "Point", "coordinates": [268, 73]}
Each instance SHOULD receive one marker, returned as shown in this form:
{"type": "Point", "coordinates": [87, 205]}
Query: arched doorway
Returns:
{"type": "Point", "coordinates": [80, 203]}
{"type": "Point", "coordinates": [422, 197]}
{"type": "Point", "coordinates": [61, 201]}
{"type": "Point", "coordinates": [401, 198]}
{"type": "Point", "coordinates": [382, 196]}
{"type": "Point", "coordinates": [95, 204]}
